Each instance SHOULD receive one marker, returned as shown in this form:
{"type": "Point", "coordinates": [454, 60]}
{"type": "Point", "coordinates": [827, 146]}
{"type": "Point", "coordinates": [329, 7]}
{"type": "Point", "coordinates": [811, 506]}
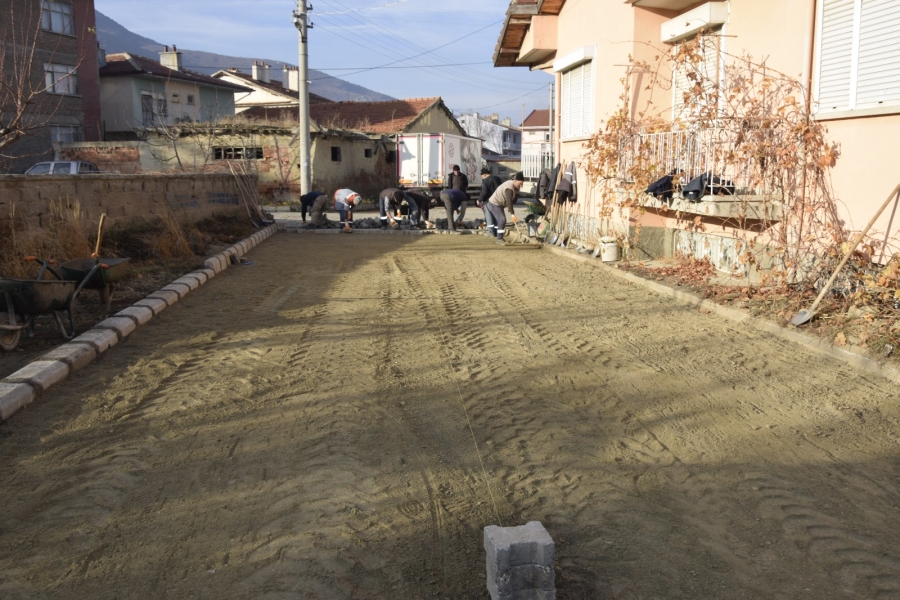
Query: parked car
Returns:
{"type": "Point", "coordinates": [63, 167]}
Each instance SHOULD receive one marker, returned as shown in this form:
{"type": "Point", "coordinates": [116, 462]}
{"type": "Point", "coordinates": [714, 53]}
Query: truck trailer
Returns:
{"type": "Point", "coordinates": [425, 159]}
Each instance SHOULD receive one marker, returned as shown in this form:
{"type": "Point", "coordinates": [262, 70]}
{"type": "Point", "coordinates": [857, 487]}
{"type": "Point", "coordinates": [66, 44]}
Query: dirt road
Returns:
{"type": "Point", "coordinates": [342, 418]}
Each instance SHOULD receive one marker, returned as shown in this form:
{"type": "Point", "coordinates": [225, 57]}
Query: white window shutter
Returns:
{"type": "Point", "coordinates": [577, 100]}
{"type": "Point", "coordinates": [566, 115]}
{"type": "Point", "coordinates": [587, 99]}
{"type": "Point", "coordinates": [878, 78]}
{"type": "Point", "coordinates": [836, 55]}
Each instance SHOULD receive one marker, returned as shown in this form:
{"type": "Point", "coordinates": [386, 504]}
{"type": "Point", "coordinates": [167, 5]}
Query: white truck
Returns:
{"type": "Point", "coordinates": [425, 159]}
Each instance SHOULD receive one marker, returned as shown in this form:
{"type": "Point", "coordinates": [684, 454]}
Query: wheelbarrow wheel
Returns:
{"type": "Point", "coordinates": [8, 339]}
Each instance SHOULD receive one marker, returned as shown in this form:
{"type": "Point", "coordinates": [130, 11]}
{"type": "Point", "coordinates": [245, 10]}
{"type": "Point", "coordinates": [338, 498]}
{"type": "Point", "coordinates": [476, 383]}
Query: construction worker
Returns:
{"type": "Point", "coordinates": [306, 202]}
{"type": "Point", "coordinates": [390, 203]}
{"type": "Point", "coordinates": [505, 197]}
{"type": "Point", "coordinates": [454, 201]}
{"type": "Point", "coordinates": [344, 202]}
{"type": "Point", "coordinates": [424, 204]}
{"type": "Point", "coordinates": [457, 180]}
{"type": "Point", "coordinates": [489, 184]}
{"type": "Point", "coordinates": [317, 210]}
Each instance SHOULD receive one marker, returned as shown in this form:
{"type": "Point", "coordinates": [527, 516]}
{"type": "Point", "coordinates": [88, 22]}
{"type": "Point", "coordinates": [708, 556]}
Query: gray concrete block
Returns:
{"type": "Point", "coordinates": [213, 264]}
{"type": "Point", "coordinates": [167, 296]}
{"type": "Point", "coordinates": [40, 374]}
{"type": "Point", "coordinates": [208, 272]}
{"type": "Point", "coordinates": [77, 356]}
{"type": "Point", "coordinates": [182, 289]}
{"type": "Point", "coordinates": [123, 326]}
{"type": "Point", "coordinates": [190, 280]}
{"type": "Point", "coordinates": [521, 579]}
{"type": "Point", "coordinates": [519, 562]}
{"type": "Point", "coordinates": [157, 305]}
{"type": "Point", "coordinates": [141, 315]}
{"type": "Point", "coordinates": [14, 396]}
{"type": "Point", "coordinates": [101, 339]}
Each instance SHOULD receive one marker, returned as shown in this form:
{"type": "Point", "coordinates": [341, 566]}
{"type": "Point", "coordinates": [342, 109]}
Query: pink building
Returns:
{"type": "Point", "coordinates": [842, 57]}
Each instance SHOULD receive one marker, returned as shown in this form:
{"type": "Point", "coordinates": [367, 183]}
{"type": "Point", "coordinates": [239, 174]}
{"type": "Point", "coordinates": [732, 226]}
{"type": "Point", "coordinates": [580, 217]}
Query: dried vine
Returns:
{"type": "Point", "coordinates": [754, 126]}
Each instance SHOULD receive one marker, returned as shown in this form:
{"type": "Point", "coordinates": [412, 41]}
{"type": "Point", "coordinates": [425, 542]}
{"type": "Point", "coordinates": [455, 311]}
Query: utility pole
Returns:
{"type": "Point", "coordinates": [550, 122]}
{"type": "Point", "coordinates": [302, 25]}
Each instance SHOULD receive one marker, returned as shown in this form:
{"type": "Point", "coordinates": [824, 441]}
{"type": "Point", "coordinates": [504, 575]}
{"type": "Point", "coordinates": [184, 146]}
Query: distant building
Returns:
{"type": "Point", "coordinates": [537, 149]}
{"type": "Point", "coordinates": [264, 93]}
{"type": "Point", "coordinates": [499, 136]}
{"type": "Point", "coordinates": [139, 92]}
{"type": "Point", "coordinates": [57, 40]}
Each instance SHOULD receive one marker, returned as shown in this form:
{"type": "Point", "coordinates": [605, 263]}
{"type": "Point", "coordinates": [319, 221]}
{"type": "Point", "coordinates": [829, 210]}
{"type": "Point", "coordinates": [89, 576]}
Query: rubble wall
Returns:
{"type": "Point", "coordinates": [126, 199]}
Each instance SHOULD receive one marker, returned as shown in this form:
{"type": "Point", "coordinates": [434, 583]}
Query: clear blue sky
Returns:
{"type": "Point", "coordinates": [352, 35]}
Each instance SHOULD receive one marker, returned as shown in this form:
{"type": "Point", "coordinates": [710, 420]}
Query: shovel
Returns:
{"type": "Point", "coordinates": [804, 316]}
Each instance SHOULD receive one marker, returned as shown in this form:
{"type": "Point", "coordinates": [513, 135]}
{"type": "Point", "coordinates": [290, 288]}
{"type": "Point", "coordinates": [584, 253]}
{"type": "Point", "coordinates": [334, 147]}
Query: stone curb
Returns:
{"type": "Point", "coordinates": [22, 387]}
{"type": "Point", "coordinates": [820, 346]}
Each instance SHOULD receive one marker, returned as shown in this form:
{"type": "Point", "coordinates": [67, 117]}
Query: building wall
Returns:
{"type": "Point", "coordinates": [126, 199]}
{"type": "Point", "coordinates": [863, 175]}
{"type": "Point", "coordinates": [434, 120]}
{"type": "Point", "coordinates": [278, 171]}
{"type": "Point", "coordinates": [45, 109]}
{"type": "Point", "coordinates": [122, 110]}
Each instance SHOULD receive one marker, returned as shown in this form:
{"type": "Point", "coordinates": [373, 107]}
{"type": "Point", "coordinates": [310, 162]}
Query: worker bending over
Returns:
{"type": "Point", "coordinates": [454, 201]}
{"type": "Point", "coordinates": [390, 203]}
{"type": "Point", "coordinates": [505, 197]}
{"type": "Point", "coordinates": [344, 202]}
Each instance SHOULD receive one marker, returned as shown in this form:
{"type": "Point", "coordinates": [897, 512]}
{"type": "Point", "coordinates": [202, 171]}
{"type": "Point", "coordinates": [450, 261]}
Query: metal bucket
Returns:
{"type": "Point", "coordinates": [609, 249]}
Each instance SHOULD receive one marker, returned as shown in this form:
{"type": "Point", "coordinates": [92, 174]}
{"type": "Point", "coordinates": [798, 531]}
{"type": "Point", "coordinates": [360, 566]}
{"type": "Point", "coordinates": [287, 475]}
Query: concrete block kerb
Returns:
{"type": "Point", "coordinates": [14, 396]}
{"type": "Point", "coordinates": [157, 305]}
{"type": "Point", "coordinates": [141, 315]}
{"type": "Point", "coordinates": [123, 326]}
{"type": "Point", "coordinates": [77, 356]}
{"type": "Point", "coordinates": [167, 296]}
{"type": "Point", "coordinates": [101, 339]}
{"type": "Point", "coordinates": [181, 289]}
{"type": "Point", "coordinates": [41, 374]}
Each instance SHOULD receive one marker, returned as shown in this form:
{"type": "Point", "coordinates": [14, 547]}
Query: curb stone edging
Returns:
{"type": "Point", "coordinates": [809, 342]}
{"type": "Point", "coordinates": [25, 385]}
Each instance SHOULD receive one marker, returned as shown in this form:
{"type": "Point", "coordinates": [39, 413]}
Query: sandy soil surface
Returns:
{"type": "Point", "coordinates": [342, 418]}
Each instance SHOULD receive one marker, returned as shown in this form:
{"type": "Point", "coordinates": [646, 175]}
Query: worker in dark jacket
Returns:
{"type": "Point", "coordinates": [457, 180]}
{"type": "Point", "coordinates": [423, 202]}
{"type": "Point", "coordinates": [454, 201]}
{"type": "Point", "coordinates": [489, 184]}
{"type": "Point", "coordinates": [504, 198]}
{"type": "Point", "coordinates": [306, 202]}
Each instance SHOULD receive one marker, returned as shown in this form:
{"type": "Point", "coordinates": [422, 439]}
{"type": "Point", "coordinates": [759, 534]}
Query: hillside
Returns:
{"type": "Point", "coordinates": [115, 38]}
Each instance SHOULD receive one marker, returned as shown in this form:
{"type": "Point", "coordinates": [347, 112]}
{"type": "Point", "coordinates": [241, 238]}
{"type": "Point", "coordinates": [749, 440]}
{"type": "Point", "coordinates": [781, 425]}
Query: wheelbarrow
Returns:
{"type": "Point", "coordinates": [103, 279]}
{"type": "Point", "coordinates": [23, 300]}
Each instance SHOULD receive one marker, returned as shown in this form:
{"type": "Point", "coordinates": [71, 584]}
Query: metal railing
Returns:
{"type": "Point", "coordinates": [691, 153]}
{"type": "Point", "coordinates": [536, 158]}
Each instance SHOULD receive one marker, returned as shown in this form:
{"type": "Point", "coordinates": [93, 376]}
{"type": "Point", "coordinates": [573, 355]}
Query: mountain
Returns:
{"type": "Point", "coordinates": [115, 38]}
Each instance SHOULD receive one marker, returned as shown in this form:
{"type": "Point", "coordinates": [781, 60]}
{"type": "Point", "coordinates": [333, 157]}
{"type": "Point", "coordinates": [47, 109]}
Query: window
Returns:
{"type": "Point", "coordinates": [66, 134]}
{"type": "Point", "coordinates": [190, 98]}
{"type": "Point", "coordinates": [175, 99]}
{"type": "Point", "coordinates": [687, 100]}
{"type": "Point", "coordinates": [60, 79]}
{"type": "Point", "coordinates": [391, 157]}
{"type": "Point", "coordinates": [57, 17]}
{"type": "Point", "coordinates": [858, 56]}
{"type": "Point", "coordinates": [237, 153]}
{"type": "Point", "coordinates": [336, 153]}
{"type": "Point", "coordinates": [367, 153]}
{"type": "Point", "coordinates": [577, 101]}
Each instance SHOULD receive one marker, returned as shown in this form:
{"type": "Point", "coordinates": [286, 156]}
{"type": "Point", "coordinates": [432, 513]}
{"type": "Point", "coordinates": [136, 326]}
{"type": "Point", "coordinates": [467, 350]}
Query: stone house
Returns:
{"type": "Point", "coordinates": [843, 54]}
{"type": "Point", "coordinates": [138, 92]}
{"type": "Point", "coordinates": [57, 40]}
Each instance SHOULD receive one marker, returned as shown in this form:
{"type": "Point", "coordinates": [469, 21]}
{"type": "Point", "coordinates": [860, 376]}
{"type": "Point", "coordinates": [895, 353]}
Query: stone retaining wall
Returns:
{"type": "Point", "coordinates": [126, 199]}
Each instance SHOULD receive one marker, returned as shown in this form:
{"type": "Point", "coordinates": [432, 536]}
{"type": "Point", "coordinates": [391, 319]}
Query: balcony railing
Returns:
{"type": "Point", "coordinates": [536, 158]}
{"type": "Point", "coordinates": [690, 154]}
